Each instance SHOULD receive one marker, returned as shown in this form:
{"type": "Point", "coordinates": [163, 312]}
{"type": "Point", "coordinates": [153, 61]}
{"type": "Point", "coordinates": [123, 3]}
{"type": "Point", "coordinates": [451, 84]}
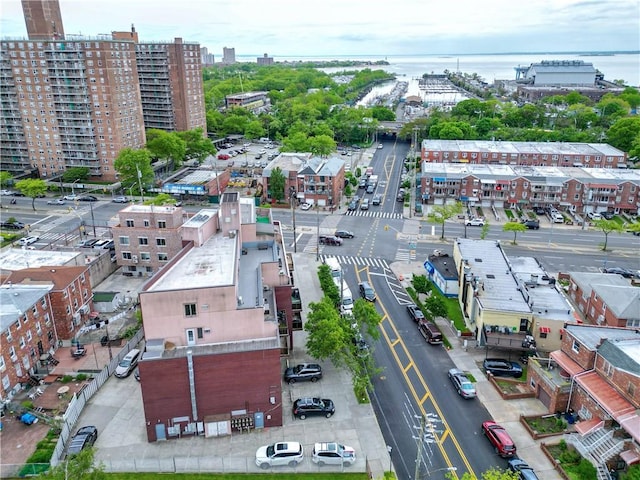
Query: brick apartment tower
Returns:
{"type": "Point", "coordinates": [170, 77]}
{"type": "Point", "coordinates": [43, 19]}
{"type": "Point", "coordinates": [67, 103]}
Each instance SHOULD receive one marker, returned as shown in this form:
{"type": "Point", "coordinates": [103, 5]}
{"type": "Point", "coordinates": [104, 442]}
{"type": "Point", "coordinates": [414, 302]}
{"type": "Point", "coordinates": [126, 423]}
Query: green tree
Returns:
{"type": "Point", "coordinates": [631, 96]}
{"type": "Point", "coordinates": [623, 132]}
{"type": "Point", "coordinates": [197, 145]}
{"type": "Point", "coordinates": [327, 336]}
{"type": "Point", "coordinates": [439, 214]}
{"type": "Point", "coordinates": [254, 129]}
{"type": "Point", "coordinates": [436, 306]}
{"type": "Point", "coordinates": [634, 227]}
{"type": "Point", "coordinates": [6, 178]}
{"type": "Point", "coordinates": [484, 230]}
{"type": "Point", "coordinates": [276, 184]}
{"type": "Point", "coordinates": [166, 145]}
{"type": "Point", "coordinates": [78, 466]}
{"type": "Point", "coordinates": [366, 315]}
{"type": "Point", "coordinates": [514, 227]}
{"type": "Point", "coordinates": [491, 474]}
{"type": "Point", "coordinates": [321, 145]}
{"type": "Point", "coordinates": [75, 173]}
{"type": "Point", "coordinates": [606, 227]}
{"type": "Point", "coordinates": [161, 199]}
{"type": "Point", "coordinates": [130, 163]}
{"type": "Point", "coordinates": [33, 188]}
{"type": "Point", "coordinates": [298, 142]}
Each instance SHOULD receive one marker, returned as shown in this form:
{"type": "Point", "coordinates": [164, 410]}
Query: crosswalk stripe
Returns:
{"type": "Point", "coordinates": [360, 213]}
{"type": "Point", "coordinates": [359, 261]}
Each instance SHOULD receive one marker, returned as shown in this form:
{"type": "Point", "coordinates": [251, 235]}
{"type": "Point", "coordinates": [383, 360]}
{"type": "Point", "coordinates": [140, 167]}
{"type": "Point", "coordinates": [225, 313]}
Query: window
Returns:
{"type": "Point", "coordinates": [162, 224]}
{"type": "Point", "coordinates": [145, 256]}
{"type": "Point", "coordinates": [143, 241]}
{"type": "Point", "coordinates": [200, 332]}
{"type": "Point", "coordinates": [190, 309]}
{"type": "Point", "coordinates": [163, 257]}
{"type": "Point", "coordinates": [126, 255]}
{"type": "Point", "coordinates": [123, 240]}
{"type": "Point", "coordinates": [575, 347]}
{"type": "Point", "coordinates": [146, 223]}
{"type": "Point", "coordinates": [161, 242]}
{"type": "Point", "coordinates": [129, 223]}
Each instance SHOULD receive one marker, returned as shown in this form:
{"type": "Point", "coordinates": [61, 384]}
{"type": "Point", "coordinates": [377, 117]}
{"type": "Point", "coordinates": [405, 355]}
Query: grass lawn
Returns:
{"type": "Point", "coordinates": [619, 220]}
{"type": "Point", "coordinates": [508, 213]}
{"type": "Point", "coordinates": [235, 476]}
{"type": "Point", "coordinates": [454, 313]}
{"type": "Point", "coordinates": [547, 424]}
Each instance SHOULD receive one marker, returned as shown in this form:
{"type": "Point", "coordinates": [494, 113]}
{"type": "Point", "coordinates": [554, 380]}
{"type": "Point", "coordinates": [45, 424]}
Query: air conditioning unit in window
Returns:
{"type": "Point", "coordinates": [84, 309]}
{"type": "Point", "coordinates": [134, 258]}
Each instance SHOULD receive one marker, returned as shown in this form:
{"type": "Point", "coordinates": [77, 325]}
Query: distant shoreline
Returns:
{"type": "Point", "coordinates": [382, 56]}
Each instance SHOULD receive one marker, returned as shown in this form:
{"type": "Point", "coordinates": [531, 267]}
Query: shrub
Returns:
{"type": "Point", "coordinates": [81, 377]}
{"type": "Point", "coordinates": [66, 379]}
{"type": "Point", "coordinates": [585, 470]}
{"type": "Point", "coordinates": [27, 404]}
{"type": "Point", "coordinates": [421, 284]}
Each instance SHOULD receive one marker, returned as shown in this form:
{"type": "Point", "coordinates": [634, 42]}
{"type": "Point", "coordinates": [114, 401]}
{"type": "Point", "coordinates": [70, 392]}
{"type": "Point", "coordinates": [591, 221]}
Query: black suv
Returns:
{"type": "Point", "coordinates": [532, 224]}
{"type": "Point", "coordinates": [13, 225]}
{"type": "Point", "coordinates": [329, 240]}
{"type": "Point", "coordinates": [304, 372]}
{"type": "Point", "coordinates": [415, 313]}
{"type": "Point", "coordinates": [343, 234]}
{"type": "Point", "coordinates": [307, 407]}
{"type": "Point", "coordinates": [500, 367]}
{"type": "Point", "coordinates": [84, 438]}
{"type": "Point", "coordinates": [524, 471]}
{"type": "Point", "coordinates": [367, 292]}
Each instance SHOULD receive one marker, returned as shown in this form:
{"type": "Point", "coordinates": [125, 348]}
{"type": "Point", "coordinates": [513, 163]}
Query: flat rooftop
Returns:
{"type": "Point", "coordinates": [498, 289]}
{"type": "Point", "coordinates": [210, 265]}
{"type": "Point", "coordinates": [135, 208]}
{"type": "Point", "coordinates": [17, 258]}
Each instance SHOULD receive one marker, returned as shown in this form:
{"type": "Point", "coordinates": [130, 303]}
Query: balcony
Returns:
{"type": "Point", "coordinates": [504, 337]}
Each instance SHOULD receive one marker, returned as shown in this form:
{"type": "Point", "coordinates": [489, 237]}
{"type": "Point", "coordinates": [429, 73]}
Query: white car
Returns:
{"type": "Point", "coordinates": [71, 197]}
{"type": "Point", "coordinates": [474, 222]}
{"type": "Point", "coordinates": [6, 193]}
{"type": "Point", "coordinates": [57, 201]}
{"type": "Point", "coordinates": [278, 454]}
{"type": "Point", "coordinates": [333, 453]}
{"type": "Point", "coordinates": [380, 146]}
{"type": "Point", "coordinates": [28, 240]}
{"type": "Point", "coordinates": [305, 206]}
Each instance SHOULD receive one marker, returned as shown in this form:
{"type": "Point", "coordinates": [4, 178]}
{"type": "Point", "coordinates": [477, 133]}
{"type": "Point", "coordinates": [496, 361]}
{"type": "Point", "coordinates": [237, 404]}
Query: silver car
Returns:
{"type": "Point", "coordinates": [333, 453]}
{"type": "Point", "coordinates": [278, 454]}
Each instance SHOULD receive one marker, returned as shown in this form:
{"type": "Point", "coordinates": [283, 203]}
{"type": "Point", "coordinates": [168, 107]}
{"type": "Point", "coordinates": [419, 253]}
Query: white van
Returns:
{"type": "Point", "coordinates": [127, 364]}
{"type": "Point", "coordinates": [346, 305]}
{"type": "Point", "coordinates": [336, 269]}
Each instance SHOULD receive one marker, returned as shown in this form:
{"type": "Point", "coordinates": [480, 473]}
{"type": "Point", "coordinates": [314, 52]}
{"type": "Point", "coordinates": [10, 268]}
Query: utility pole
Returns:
{"type": "Point", "coordinates": [292, 193]}
{"type": "Point", "coordinates": [419, 441]}
{"type": "Point", "coordinates": [318, 231]}
{"type": "Point", "coordinates": [412, 187]}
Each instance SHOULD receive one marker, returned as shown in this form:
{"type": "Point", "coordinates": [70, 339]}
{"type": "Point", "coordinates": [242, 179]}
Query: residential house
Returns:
{"type": "Point", "coordinates": [441, 270]}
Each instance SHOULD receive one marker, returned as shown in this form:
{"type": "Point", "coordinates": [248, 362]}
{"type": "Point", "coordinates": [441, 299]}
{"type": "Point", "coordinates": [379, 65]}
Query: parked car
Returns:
{"type": "Point", "coordinates": [329, 240]}
{"type": "Point", "coordinates": [87, 243]}
{"type": "Point", "coordinates": [333, 453]}
{"type": "Point", "coordinates": [120, 199]}
{"type": "Point", "coordinates": [278, 454]}
{"type": "Point", "coordinates": [367, 292]}
{"type": "Point", "coordinates": [306, 206]}
{"type": "Point", "coordinates": [522, 469]}
{"type": "Point", "coordinates": [304, 372]}
{"type": "Point", "coordinates": [415, 313]}
{"type": "Point", "coordinates": [594, 216]}
{"type": "Point", "coordinates": [313, 407]}
{"type": "Point", "coordinates": [223, 156]}
{"type": "Point", "coordinates": [88, 198]}
{"type": "Point", "coordinates": [607, 215]}
{"type": "Point", "coordinates": [12, 225]}
{"type": "Point", "coordinates": [539, 210]}
{"type": "Point", "coordinates": [343, 234]}
{"type": "Point", "coordinates": [84, 438]}
{"type": "Point", "coordinates": [474, 222]}
{"type": "Point", "coordinates": [625, 272]}
{"type": "Point", "coordinates": [461, 383]}
{"type": "Point", "coordinates": [430, 332]}
{"type": "Point", "coordinates": [502, 368]}
{"type": "Point", "coordinates": [532, 224]}
{"type": "Point", "coordinates": [499, 438]}
{"type": "Point", "coordinates": [28, 240]}
{"type": "Point", "coordinates": [127, 364]}
{"type": "Point", "coordinates": [71, 197]}
{"type": "Point", "coordinates": [7, 193]}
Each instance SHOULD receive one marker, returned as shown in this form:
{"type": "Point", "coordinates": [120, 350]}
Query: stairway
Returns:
{"type": "Point", "coordinates": [598, 447]}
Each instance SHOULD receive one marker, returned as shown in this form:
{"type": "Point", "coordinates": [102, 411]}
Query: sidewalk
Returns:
{"type": "Point", "coordinates": [505, 412]}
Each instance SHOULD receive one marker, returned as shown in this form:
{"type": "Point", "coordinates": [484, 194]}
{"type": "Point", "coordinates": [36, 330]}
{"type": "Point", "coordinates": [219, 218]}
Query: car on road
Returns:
{"type": "Point", "coordinates": [367, 292]}
{"type": "Point", "coordinates": [12, 225]}
{"type": "Point", "coordinates": [304, 372]}
{"type": "Point", "coordinates": [31, 239]}
{"type": "Point", "coordinates": [461, 383]}
{"type": "Point", "coordinates": [380, 146]}
{"type": "Point", "coordinates": [625, 272]}
{"type": "Point", "coordinates": [502, 368]}
{"type": "Point", "coordinates": [415, 313]}
{"type": "Point", "coordinates": [88, 198]}
{"type": "Point", "coordinates": [84, 438]}
{"type": "Point", "coordinates": [71, 197]}
{"type": "Point", "coordinates": [333, 453]}
{"type": "Point", "coordinates": [223, 156]}
{"type": "Point", "coordinates": [522, 469]}
{"type": "Point", "coordinates": [329, 240]}
{"type": "Point", "coordinates": [353, 205]}
{"type": "Point", "coordinates": [306, 206]}
{"type": "Point", "coordinates": [532, 224]}
{"type": "Point", "coordinates": [343, 234]}
{"type": "Point", "coordinates": [499, 438]}
{"type": "Point", "coordinates": [120, 199]}
{"type": "Point", "coordinates": [313, 407]}
{"type": "Point", "coordinates": [88, 243]}
{"type": "Point", "coordinates": [128, 364]}
{"type": "Point", "coordinates": [57, 201]}
{"type": "Point", "coordinates": [376, 200]}
{"type": "Point", "coordinates": [474, 222]}
{"type": "Point", "coordinates": [7, 193]}
{"type": "Point", "coordinates": [364, 205]}
{"type": "Point", "coordinates": [278, 454]}
{"type": "Point", "coordinates": [362, 183]}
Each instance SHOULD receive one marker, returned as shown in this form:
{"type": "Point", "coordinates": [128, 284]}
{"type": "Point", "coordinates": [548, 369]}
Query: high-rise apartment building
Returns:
{"type": "Point", "coordinates": [208, 59]}
{"type": "Point", "coordinates": [68, 103]}
{"type": "Point", "coordinates": [170, 77]}
{"type": "Point", "coordinates": [43, 19]}
{"type": "Point", "coordinates": [228, 55]}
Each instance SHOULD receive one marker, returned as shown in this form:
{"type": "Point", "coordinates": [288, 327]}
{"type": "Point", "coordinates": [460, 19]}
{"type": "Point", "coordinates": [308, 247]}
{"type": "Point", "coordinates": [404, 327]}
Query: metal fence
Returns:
{"type": "Point", "coordinates": [78, 402]}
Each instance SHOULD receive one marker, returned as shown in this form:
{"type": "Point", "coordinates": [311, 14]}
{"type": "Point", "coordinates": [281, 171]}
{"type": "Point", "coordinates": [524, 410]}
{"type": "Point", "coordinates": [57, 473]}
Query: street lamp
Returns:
{"type": "Point", "coordinates": [390, 449]}
{"type": "Point", "coordinates": [73, 184]}
{"type": "Point", "coordinates": [317, 230]}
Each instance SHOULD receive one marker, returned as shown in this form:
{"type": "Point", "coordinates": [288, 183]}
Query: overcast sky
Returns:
{"type": "Point", "coordinates": [357, 27]}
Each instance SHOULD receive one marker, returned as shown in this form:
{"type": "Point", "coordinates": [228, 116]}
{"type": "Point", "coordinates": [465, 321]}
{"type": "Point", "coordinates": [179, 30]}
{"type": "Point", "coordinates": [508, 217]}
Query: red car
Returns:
{"type": "Point", "coordinates": [499, 438]}
{"type": "Point", "coordinates": [223, 156]}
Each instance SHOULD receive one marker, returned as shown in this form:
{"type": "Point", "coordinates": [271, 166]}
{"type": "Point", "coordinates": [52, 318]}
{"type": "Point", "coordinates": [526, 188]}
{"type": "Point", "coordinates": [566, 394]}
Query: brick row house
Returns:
{"type": "Point", "coordinates": [605, 299]}
{"type": "Point", "coordinates": [577, 189]}
{"type": "Point", "coordinates": [41, 308]}
{"type": "Point", "coordinates": [595, 376]}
